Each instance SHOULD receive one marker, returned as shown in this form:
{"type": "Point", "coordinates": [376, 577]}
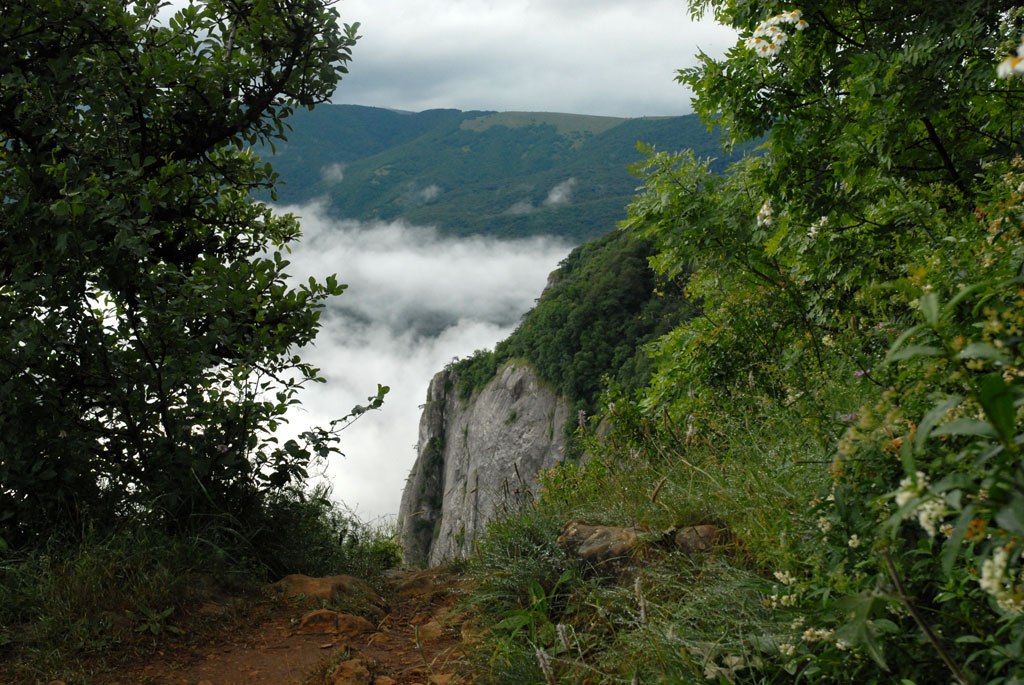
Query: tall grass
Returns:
{"type": "Point", "coordinates": [679, 618]}
{"type": "Point", "coordinates": [73, 611]}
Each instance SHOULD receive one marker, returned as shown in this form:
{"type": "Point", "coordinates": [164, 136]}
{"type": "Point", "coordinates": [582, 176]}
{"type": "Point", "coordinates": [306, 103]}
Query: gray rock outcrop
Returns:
{"type": "Point", "coordinates": [476, 458]}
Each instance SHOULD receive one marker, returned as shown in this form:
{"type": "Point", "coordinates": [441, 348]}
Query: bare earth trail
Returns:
{"type": "Point", "coordinates": [415, 637]}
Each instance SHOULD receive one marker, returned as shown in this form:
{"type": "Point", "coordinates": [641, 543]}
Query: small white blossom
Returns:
{"type": "Point", "coordinates": [787, 649]}
{"type": "Point", "coordinates": [764, 215]}
{"type": "Point", "coordinates": [929, 514]}
{"type": "Point", "coordinates": [816, 634]}
{"type": "Point", "coordinates": [824, 524]}
{"type": "Point", "coordinates": [785, 577]}
{"type": "Point", "coordinates": [854, 541]}
{"type": "Point", "coordinates": [769, 28]}
{"type": "Point", "coordinates": [994, 581]}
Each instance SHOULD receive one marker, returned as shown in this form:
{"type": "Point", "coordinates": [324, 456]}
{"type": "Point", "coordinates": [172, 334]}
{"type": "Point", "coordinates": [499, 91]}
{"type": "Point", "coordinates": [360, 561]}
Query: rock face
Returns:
{"type": "Point", "coordinates": [476, 458]}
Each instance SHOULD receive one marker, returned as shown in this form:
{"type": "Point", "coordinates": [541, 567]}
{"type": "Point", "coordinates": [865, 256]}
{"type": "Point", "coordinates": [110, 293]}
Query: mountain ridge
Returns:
{"type": "Point", "coordinates": [502, 174]}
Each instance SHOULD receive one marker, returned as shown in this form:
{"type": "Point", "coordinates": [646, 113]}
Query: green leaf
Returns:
{"type": "Point", "coordinates": [858, 631]}
{"type": "Point", "coordinates": [966, 426]}
{"type": "Point", "coordinates": [911, 351]}
{"type": "Point", "coordinates": [997, 398]}
{"type": "Point", "coordinates": [930, 309]}
{"type": "Point", "coordinates": [953, 546]}
{"type": "Point", "coordinates": [982, 350]}
{"type": "Point", "coordinates": [1011, 516]}
{"type": "Point", "coordinates": [930, 419]}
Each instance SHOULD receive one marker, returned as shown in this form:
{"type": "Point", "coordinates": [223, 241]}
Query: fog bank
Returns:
{"type": "Point", "coordinates": [415, 301]}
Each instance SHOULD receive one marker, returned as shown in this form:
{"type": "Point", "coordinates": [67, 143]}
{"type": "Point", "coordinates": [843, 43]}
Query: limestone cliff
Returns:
{"type": "Point", "coordinates": [475, 457]}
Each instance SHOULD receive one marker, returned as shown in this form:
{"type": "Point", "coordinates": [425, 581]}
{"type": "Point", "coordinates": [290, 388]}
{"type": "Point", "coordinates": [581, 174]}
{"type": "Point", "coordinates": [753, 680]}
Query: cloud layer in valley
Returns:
{"type": "Point", "coordinates": [415, 300]}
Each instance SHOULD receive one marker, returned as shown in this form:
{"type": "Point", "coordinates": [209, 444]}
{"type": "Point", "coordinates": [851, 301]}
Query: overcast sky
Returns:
{"type": "Point", "coordinates": [608, 57]}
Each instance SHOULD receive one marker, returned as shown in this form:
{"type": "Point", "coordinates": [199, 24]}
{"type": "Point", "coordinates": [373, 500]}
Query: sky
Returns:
{"type": "Point", "coordinates": [605, 57]}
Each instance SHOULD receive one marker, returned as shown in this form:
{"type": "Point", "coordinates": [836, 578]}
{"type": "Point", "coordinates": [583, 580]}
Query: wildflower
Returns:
{"type": "Point", "coordinates": [816, 634]}
{"type": "Point", "coordinates": [946, 529]}
{"type": "Point", "coordinates": [544, 661]}
{"type": "Point", "coordinates": [824, 524]}
{"type": "Point", "coordinates": [854, 541]}
{"type": "Point", "coordinates": [563, 635]}
{"type": "Point", "coordinates": [770, 29]}
{"type": "Point", "coordinates": [929, 514]}
{"type": "Point", "coordinates": [764, 215]}
{"type": "Point", "coordinates": [1011, 65]}
{"type": "Point", "coordinates": [993, 581]}
{"type": "Point", "coordinates": [785, 577]}
{"type": "Point", "coordinates": [843, 645]}
{"type": "Point", "coordinates": [787, 649]}
{"type": "Point", "coordinates": [860, 373]}
{"type": "Point", "coordinates": [641, 600]}
{"type": "Point", "coordinates": [911, 487]}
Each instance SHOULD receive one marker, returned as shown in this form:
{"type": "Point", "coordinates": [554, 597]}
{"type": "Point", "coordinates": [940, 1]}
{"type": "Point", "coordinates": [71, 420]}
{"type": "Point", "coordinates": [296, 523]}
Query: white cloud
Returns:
{"type": "Point", "coordinates": [561, 193]}
{"type": "Point", "coordinates": [430, 193]}
{"type": "Point", "coordinates": [333, 173]}
{"type": "Point", "coordinates": [415, 300]}
{"type": "Point", "coordinates": [521, 207]}
{"type": "Point", "coordinates": [601, 57]}
{"type": "Point", "coordinates": [610, 57]}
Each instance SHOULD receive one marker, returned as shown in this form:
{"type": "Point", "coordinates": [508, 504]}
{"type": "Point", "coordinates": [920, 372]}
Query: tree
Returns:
{"type": "Point", "coordinates": [872, 254]}
{"type": "Point", "coordinates": [147, 331]}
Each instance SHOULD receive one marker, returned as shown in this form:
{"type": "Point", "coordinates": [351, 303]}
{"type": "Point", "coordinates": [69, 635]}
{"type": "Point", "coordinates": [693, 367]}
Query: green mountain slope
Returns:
{"type": "Point", "coordinates": [509, 174]}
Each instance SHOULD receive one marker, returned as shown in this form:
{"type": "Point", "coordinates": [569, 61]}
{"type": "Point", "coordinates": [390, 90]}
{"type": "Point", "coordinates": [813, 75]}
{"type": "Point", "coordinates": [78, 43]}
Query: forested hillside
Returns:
{"type": "Point", "coordinates": [509, 175]}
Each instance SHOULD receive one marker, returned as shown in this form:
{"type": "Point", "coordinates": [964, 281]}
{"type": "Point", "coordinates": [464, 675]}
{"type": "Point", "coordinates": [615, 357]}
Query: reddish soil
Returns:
{"type": "Point", "coordinates": [417, 639]}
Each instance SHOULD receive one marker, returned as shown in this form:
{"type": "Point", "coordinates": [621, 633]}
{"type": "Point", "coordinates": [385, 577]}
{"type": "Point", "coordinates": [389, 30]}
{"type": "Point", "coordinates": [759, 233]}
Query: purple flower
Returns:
{"type": "Point", "coordinates": [848, 418]}
{"type": "Point", "coordinates": [860, 373]}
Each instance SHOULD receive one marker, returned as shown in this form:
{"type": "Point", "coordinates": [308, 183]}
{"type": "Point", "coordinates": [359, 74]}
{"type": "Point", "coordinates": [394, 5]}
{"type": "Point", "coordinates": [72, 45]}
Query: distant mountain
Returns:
{"type": "Point", "coordinates": [510, 174]}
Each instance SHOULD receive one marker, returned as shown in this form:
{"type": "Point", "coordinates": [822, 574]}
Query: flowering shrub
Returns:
{"type": "Point", "coordinates": [769, 37]}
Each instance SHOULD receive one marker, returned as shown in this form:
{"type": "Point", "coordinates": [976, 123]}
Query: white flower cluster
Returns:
{"type": "Point", "coordinates": [785, 577]}
{"type": "Point", "coordinates": [817, 226]}
{"type": "Point", "coordinates": [776, 601]}
{"type": "Point", "coordinates": [816, 634]}
{"type": "Point", "coordinates": [993, 581]}
{"type": "Point", "coordinates": [769, 38]}
{"type": "Point", "coordinates": [1013, 65]}
{"type": "Point", "coordinates": [764, 215]}
{"type": "Point", "coordinates": [928, 513]}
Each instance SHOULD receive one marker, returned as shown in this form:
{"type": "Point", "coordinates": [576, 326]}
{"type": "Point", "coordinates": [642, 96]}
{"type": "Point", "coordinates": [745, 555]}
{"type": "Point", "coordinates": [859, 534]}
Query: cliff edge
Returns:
{"type": "Point", "coordinates": [477, 457]}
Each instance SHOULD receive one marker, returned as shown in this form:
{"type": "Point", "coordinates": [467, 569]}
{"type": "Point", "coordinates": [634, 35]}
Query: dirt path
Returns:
{"type": "Point", "coordinates": [414, 638]}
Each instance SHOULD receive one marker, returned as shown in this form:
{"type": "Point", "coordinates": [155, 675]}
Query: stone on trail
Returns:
{"type": "Point", "coordinates": [328, 588]}
{"type": "Point", "coordinates": [327, 621]}
{"type": "Point", "coordinates": [700, 539]}
{"type": "Point", "coordinates": [613, 548]}
{"type": "Point", "coordinates": [603, 547]}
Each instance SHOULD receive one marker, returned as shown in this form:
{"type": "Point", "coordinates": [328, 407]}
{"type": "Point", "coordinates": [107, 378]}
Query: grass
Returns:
{"type": "Point", "coordinates": [75, 610]}
{"type": "Point", "coordinates": [679, 618]}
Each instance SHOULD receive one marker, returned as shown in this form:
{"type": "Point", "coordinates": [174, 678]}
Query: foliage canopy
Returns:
{"type": "Point", "coordinates": [850, 400]}
{"type": "Point", "coordinates": [147, 330]}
